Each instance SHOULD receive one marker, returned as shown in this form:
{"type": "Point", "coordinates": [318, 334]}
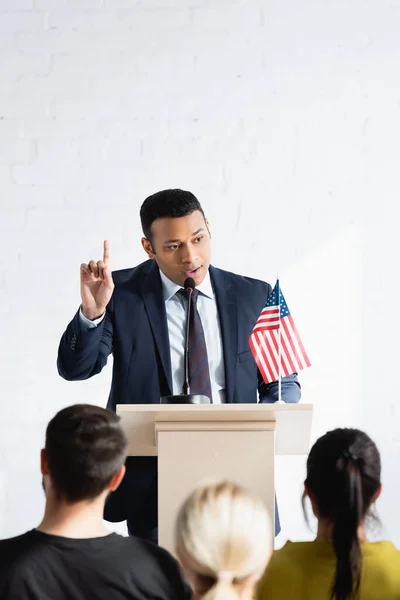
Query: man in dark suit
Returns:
{"type": "Point", "coordinates": [138, 315]}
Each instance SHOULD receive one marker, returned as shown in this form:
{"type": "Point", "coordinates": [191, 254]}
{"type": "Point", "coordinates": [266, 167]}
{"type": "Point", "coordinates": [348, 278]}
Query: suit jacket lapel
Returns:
{"type": "Point", "coordinates": [151, 291]}
{"type": "Point", "coordinates": [227, 311]}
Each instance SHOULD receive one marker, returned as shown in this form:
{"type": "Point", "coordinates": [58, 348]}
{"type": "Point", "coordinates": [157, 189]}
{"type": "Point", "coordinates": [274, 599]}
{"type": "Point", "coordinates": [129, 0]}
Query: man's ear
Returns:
{"type": "Point", "coordinates": [44, 464]}
{"type": "Point", "coordinates": [308, 492]}
{"type": "Point", "coordinates": [377, 494]}
{"type": "Point", "coordinates": [148, 248]}
{"type": "Point", "coordinates": [307, 489]}
{"type": "Point", "coordinates": [117, 478]}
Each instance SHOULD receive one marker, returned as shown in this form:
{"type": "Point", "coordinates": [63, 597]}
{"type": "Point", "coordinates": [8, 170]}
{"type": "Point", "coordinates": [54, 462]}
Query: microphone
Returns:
{"type": "Point", "coordinates": [186, 398]}
{"type": "Point", "coordinates": [189, 284]}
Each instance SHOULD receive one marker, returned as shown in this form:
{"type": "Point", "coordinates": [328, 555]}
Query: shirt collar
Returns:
{"type": "Point", "coordinates": [170, 288]}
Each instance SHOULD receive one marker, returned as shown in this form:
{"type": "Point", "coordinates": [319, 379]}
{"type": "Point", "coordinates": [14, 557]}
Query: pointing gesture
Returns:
{"type": "Point", "coordinates": [97, 285]}
{"type": "Point", "coordinates": [106, 252]}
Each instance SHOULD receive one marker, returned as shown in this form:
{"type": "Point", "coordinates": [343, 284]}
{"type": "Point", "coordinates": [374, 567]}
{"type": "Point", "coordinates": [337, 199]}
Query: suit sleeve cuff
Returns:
{"type": "Point", "coordinates": [87, 323]}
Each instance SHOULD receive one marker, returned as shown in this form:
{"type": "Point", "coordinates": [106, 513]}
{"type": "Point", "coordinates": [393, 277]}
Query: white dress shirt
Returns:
{"type": "Point", "coordinates": [176, 318]}
{"type": "Point", "coordinates": [175, 306]}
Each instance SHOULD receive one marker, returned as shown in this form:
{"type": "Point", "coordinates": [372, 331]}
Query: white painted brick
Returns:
{"type": "Point", "coordinates": [58, 152]}
{"type": "Point", "coordinates": [73, 106]}
{"type": "Point", "coordinates": [114, 193]}
{"type": "Point", "coordinates": [49, 4]}
{"type": "Point", "coordinates": [22, 21]}
{"type": "Point", "coordinates": [5, 178]}
{"type": "Point", "coordinates": [14, 105]}
{"type": "Point", "coordinates": [83, 4]}
{"type": "Point", "coordinates": [233, 21]}
{"type": "Point", "coordinates": [83, 20]}
{"type": "Point", "coordinates": [133, 129]}
{"type": "Point", "coordinates": [49, 41]}
{"type": "Point", "coordinates": [23, 64]}
{"type": "Point", "coordinates": [122, 3]}
{"type": "Point", "coordinates": [7, 41]}
{"type": "Point", "coordinates": [147, 22]}
{"type": "Point", "coordinates": [152, 5]}
{"type": "Point", "coordinates": [36, 195]}
{"type": "Point", "coordinates": [16, 152]}
{"type": "Point", "coordinates": [93, 175]}
{"type": "Point", "coordinates": [47, 174]}
{"type": "Point", "coordinates": [2, 279]}
{"type": "Point", "coordinates": [125, 152]}
{"type": "Point", "coordinates": [10, 129]}
{"type": "Point", "coordinates": [12, 219]}
{"type": "Point", "coordinates": [56, 219]}
{"type": "Point", "coordinates": [5, 304]}
{"type": "Point", "coordinates": [11, 244]}
{"type": "Point", "coordinates": [16, 4]}
{"type": "Point", "coordinates": [60, 129]}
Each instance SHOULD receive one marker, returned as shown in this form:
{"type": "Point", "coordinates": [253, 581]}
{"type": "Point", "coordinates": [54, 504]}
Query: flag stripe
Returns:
{"type": "Point", "coordinates": [269, 351]}
{"type": "Point", "coordinates": [270, 309]}
{"type": "Point", "coordinates": [286, 349]}
{"type": "Point", "coordinates": [259, 358]}
{"type": "Point", "coordinates": [272, 372]}
{"type": "Point", "coordinates": [289, 350]}
{"type": "Point", "coordinates": [296, 354]}
{"type": "Point", "coordinates": [264, 327]}
{"type": "Point", "coordinates": [285, 366]}
{"type": "Point", "coordinates": [298, 339]}
{"type": "Point", "coordinates": [268, 319]}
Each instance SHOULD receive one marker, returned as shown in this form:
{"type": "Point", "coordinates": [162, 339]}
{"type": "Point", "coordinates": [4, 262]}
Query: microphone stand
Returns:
{"type": "Point", "coordinates": [185, 386]}
{"type": "Point", "coordinates": [185, 397]}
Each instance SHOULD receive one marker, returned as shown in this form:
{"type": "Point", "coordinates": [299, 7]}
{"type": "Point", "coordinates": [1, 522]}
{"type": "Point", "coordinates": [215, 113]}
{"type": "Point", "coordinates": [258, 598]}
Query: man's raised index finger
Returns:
{"type": "Point", "coordinates": [106, 253]}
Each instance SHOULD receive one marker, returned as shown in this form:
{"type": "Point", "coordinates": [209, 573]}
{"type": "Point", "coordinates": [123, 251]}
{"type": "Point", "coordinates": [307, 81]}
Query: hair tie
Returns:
{"type": "Point", "coordinates": [225, 576]}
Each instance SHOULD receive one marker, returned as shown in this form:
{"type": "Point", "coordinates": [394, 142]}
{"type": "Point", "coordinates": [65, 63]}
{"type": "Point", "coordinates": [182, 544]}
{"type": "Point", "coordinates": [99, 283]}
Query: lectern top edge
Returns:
{"type": "Point", "coordinates": [213, 407]}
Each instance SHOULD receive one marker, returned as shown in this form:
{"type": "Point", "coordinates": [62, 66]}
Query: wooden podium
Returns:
{"type": "Point", "coordinates": [233, 441]}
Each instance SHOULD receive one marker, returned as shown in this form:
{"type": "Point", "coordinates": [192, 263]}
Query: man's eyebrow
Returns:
{"type": "Point", "coordinates": [197, 231]}
{"type": "Point", "coordinates": [171, 241]}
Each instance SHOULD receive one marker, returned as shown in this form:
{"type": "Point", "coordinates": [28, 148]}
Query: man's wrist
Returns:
{"type": "Point", "coordinates": [91, 314]}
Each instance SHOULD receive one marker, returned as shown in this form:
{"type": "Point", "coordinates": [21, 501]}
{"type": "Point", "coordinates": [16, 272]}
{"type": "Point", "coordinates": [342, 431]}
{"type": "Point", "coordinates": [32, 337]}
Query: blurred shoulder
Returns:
{"type": "Point", "coordinates": [283, 575]}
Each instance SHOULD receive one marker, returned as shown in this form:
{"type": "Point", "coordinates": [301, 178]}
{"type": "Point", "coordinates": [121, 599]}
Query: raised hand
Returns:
{"type": "Point", "coordinates": [96, 285]}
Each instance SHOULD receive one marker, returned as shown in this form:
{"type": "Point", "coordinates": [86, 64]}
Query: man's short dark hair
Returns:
{"type": "Point", "coordinates": [167, 203]}
{"type": "Point", "coordinates": [85, 448]}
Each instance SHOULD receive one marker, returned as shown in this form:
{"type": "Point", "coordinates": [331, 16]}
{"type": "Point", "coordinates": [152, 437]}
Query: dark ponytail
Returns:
{"type": "Point", "coordinates": [343, 475]}
{"type": "Point", "coordinates": [345, 527]}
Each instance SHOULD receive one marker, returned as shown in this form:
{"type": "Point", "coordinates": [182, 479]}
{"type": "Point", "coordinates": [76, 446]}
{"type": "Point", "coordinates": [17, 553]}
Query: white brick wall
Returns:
{"type": "Point", "coordinates": [282, 116]}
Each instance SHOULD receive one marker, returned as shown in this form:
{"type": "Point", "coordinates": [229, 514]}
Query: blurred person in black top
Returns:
{"type": "Point", "coordinates": [71, 555]}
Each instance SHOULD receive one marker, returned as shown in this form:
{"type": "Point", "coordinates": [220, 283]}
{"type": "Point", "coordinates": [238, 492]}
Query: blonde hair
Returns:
{"type": "Point", "coordinates": [222, 536]}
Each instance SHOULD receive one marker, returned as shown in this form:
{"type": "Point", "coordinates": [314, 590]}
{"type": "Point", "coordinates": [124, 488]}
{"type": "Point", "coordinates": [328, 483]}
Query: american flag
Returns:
{"type": "Point", "coordinates": [275, 342]}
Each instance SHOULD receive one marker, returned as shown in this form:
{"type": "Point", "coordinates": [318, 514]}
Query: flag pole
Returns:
{"type": "Point", "coordinates": [279, 344]}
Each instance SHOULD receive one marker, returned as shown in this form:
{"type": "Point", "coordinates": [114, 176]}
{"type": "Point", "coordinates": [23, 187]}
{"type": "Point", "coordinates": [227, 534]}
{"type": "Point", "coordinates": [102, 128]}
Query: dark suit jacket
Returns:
{"type": "Point", "coordinates": [135, 331]}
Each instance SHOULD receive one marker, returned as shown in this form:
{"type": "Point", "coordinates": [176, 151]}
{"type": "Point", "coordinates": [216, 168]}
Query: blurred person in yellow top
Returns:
{"type": "Point", "coordinates": [343, 481]}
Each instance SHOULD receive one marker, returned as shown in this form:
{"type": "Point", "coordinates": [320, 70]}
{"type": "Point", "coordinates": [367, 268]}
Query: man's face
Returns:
{"type": "Point", "coordinates": [180, 247]}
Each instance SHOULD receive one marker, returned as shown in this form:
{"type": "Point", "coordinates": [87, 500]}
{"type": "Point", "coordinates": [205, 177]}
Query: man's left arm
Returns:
{"type": "Point", "coordinates": [290, 390]}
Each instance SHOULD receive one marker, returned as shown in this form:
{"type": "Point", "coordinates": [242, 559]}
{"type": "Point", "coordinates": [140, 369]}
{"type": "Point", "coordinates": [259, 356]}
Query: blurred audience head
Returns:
{"type": "Point", "coordinates": [223, 541]}
{"type": "Point", "coordinates": [84, 454]}
{"type": "Point", "coordinates": [343, 481]}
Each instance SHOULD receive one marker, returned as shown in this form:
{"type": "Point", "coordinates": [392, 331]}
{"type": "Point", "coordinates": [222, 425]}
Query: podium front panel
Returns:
{"type": "Point", "coordinates": [241, 452]}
